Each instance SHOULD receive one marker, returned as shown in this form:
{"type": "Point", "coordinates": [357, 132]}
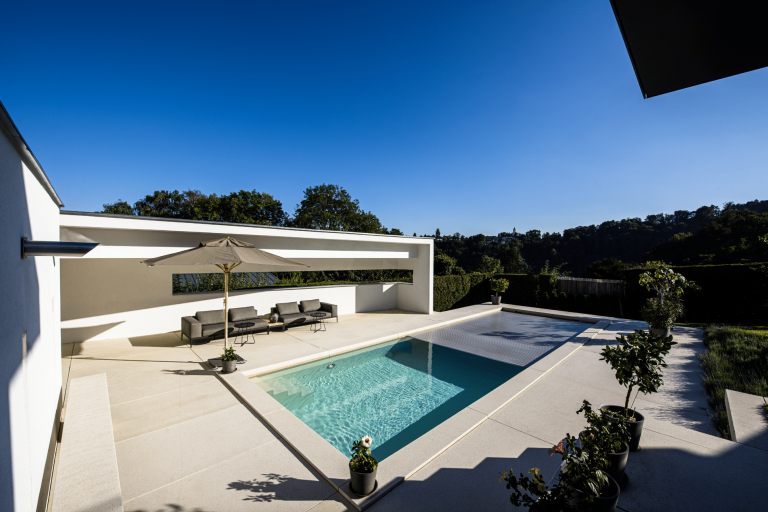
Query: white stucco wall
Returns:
{"type": "Point", "coordinates": [29, 383]}
{"type": "Point", "coordinates": [109, 294]}
{"type": "Point", "coordinates": [114, 298]}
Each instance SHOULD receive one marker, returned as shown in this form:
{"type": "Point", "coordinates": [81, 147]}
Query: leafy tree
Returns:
{"type": "Point", "coordinates": [731, 237]}
{"type": "Point", "coordinates": [489, 265]}
{"type": "Point", "coordinates": [119, 207]}
{"type": "Point", "coordinates": [395, 231]}
{"type": "Point", "coordinates": [444, 265]}
{"type": "Point", "coordinates": [242, 207]}
{"type": "Point", "coordinates": [162, 203]}
{"type": "Point", "coordinates": [511, 260]}
{"type": "Point", "coordinates": [331, 207]}
{"type": "Point", "coordinates": [437, 233]}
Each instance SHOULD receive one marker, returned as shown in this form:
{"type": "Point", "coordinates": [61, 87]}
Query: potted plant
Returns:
{"type": "Point", "coordinates": [229, 360]}
{"type": "Point", "coordinates": [660, 316]}
{"type": "Point", "coordinates": [610, 433]}
{"type": "Point", "coordinates": [660, 312]}
{"type": "Point", "coordinates": [583, 482]}
{"type": "Point", "coordinates": [498, 286]}
{"type": "Point", "coordinates": [362, 467]}
{"type": "Point", "coordinates": [637, 361]}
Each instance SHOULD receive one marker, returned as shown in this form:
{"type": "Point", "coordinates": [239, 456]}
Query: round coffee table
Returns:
{"type": "Point", "coordinates": [319, 323]}
{"type": "Point", "coordinates": [243, 329]}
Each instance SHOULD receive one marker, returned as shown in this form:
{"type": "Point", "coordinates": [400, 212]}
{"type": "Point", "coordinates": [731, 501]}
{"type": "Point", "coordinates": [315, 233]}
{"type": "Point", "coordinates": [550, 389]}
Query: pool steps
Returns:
{"type": "Point", "coordinates": [287, 392]}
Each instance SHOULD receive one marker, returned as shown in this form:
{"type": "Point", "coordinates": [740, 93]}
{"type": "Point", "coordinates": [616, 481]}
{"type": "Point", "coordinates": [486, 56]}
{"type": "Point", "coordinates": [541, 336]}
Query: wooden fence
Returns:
{"type": "Point", "coordinates": [581, 286]}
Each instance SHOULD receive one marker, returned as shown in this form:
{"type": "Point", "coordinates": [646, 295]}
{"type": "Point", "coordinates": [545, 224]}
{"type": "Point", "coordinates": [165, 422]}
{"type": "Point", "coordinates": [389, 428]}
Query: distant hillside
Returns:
{"type": "Point", "coordinates": [628, 240]}
{"type": "Point", "coordinates": [735, 236]}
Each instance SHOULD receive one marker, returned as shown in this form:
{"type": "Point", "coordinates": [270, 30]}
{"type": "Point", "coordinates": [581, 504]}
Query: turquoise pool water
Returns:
{"type": "Point", "coordinates": [395, 391]}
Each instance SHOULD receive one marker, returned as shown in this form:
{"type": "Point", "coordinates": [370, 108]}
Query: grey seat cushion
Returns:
{"type": "Point", "coordinates": [298, 317]}
{"type": "Point", "coordinates": [211, 329]}
{"type": "Point", "coordinates": [241, 314]}
{"type": "Point", "coordinates": [309, 306]}
{"type": "Point", "coordinates": [210, 317]}
{"type": "Point", "coordinates": [288, 308]}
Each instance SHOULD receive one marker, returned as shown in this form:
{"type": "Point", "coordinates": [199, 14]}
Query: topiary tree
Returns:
{"type": "Point", "coordinates": [638, 361]}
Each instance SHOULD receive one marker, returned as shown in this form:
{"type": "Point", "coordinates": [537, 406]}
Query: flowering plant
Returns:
{"type": "Point", "coordinates": [499, 285]}
{"type": "Point", "coordinates": [583, 472]}
{"type": "Point", "coordinates": [229, 354]}
{"type": "Point", "coordinates": [362, 460]}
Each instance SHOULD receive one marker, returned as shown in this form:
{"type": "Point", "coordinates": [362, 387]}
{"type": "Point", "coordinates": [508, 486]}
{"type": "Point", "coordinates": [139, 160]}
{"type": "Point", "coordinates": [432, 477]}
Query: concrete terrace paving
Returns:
{"type": "Point", "coordinates": [184, 442]}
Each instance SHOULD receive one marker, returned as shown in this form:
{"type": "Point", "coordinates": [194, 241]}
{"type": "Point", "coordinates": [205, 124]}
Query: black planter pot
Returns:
{"type": "Point", "coordinates": [362, 484]}
{"type": "Point", "coordinates": [609, 499]}
{"type": "Point", "coordinates": [635, 427]}
{"type": "Point", "coordinates": [617, 464]}
{"type": "Point", "coordinates": [606, 502]}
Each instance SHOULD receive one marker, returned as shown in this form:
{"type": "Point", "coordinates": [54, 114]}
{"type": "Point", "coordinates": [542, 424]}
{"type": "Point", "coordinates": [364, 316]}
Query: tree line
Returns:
{"type": "Point", "coordinates": [328, 207]}
{"type": "Point", "coordinates": [735, 233]}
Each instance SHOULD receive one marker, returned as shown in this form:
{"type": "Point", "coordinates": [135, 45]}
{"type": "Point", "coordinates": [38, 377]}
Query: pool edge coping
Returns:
{"type": "Point", "coordinates": [332, 465]}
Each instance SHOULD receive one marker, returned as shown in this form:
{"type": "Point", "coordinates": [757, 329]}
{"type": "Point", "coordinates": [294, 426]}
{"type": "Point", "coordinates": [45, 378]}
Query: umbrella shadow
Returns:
{"type": "Point", "coordinates": [272, 487]}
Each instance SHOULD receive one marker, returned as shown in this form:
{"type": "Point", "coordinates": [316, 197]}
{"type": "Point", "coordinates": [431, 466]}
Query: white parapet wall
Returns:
{"type": "Point", "coordinates": [30, 348]}
{"type": "Point", "coordinates": [110, 294]}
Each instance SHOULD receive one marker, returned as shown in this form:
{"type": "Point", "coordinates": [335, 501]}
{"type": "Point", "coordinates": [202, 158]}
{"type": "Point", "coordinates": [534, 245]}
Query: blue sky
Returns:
{"type": "Point", "coordinates": [465, 116]}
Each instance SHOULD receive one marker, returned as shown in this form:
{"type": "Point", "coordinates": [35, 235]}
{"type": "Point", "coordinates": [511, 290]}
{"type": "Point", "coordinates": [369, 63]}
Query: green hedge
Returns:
{"type": "Point", "coordinates": [452, 292]}
{"type": "Point", "coordinates": [734, 294]}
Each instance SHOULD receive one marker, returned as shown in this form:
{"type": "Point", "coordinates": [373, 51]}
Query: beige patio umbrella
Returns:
{"type": "Point", "coordinates": [225, 253]}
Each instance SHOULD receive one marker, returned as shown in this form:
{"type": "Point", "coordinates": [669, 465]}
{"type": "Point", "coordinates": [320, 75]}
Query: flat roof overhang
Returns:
{"type": "Point", "coordinates": [675, 44]}
{"type": "Point", "coordinates": [121, 237]}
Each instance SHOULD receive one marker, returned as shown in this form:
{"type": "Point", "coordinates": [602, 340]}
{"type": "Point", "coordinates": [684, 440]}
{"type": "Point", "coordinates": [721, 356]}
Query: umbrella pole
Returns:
{"type": "Point", "coordinates": [226, 308]}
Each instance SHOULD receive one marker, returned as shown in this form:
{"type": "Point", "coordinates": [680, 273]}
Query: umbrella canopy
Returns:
{"type": "Point", "coordinates": [225, 253]}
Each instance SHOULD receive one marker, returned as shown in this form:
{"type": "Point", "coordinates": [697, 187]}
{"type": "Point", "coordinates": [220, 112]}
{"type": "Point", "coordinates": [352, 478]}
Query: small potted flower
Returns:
{"type": "Point", "coordinates": [362, 467]}
{"type": "Point", "coordinates": [228, 360]}
{"type": "Point", "coordinates": [498, 286]}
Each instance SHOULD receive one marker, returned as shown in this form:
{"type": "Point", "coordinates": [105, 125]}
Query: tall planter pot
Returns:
{"type": "Point", "coordinates": [606, 502]}
{"type": "Point", "coordinates": [617, 464]}
{"type": "Point", "coordinates": [362, 484]}
{"type": "Point", "coordinates": [635, 427]}
{"type": "Point", "coordinates": [495, 300]}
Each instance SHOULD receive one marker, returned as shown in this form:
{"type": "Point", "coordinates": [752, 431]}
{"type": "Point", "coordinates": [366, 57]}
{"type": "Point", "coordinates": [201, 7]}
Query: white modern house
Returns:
{"type": "Point", "coordinates": [48, 300]}
{"type": "Point", "coordinates": [108, 294]}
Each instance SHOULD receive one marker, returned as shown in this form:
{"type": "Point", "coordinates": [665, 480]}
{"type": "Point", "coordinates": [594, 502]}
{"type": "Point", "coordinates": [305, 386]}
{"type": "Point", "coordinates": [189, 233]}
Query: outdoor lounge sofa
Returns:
{"type": "Point", "coordinates": [206, 324]}
{"type": "Point", "coordinates": [292, 314]}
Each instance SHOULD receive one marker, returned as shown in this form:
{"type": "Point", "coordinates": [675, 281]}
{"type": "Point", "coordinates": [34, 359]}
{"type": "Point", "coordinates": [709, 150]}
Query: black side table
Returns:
{"type": "Point", "coordinates": [319, 321]}
{"type": "Point", "coordinates": [244, 329]}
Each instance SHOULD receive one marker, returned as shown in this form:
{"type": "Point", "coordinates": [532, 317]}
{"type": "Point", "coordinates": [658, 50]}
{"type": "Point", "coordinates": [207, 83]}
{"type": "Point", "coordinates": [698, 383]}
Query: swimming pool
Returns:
{"type": "Point", "coordinates": [395, 391]}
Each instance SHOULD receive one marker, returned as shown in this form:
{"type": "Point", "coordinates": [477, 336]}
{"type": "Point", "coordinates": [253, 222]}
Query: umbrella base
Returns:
{"type": "Point", "coordinates": [215, 362]}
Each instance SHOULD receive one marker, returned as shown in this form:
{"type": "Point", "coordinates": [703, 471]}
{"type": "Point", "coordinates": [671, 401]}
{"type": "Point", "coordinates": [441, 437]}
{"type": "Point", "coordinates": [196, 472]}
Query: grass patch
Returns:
{"type": "Point", "coordinates": [735, 359]}
{"type": "Point", "coordinates": [749, 328]}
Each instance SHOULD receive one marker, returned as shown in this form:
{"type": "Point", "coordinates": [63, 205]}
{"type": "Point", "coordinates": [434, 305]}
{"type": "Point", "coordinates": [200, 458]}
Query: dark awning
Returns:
{"type": "Point", "coordinates": [674, 44]}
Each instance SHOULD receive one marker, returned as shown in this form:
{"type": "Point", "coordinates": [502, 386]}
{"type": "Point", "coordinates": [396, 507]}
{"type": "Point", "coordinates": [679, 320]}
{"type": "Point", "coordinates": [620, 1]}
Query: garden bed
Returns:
{"type": "Point", "coordinates": [735, 359]}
